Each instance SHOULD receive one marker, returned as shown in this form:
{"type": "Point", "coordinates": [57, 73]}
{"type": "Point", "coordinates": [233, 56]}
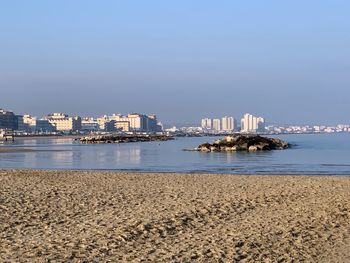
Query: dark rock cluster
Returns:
{"type": "Point", "coordinates": [244, 143]}
{"type": "Point", "coordinates": [119, 138]}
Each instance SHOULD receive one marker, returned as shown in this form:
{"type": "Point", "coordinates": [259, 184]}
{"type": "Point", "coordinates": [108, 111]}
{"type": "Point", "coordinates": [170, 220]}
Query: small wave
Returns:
{"type": "Point", "coordinates": [336, 165]}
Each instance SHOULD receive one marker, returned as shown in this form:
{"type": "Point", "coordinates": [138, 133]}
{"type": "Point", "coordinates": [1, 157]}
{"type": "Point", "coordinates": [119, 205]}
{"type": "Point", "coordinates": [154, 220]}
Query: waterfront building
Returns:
{"type": "Point", "coordinates": [113, 126]}
{"type": "Point", "coordinates": [153, 124]}
{"type": "Point", "coordinates": [64, 123]}
{"type": "Point", "coordinates": [19, 123]}
{"type": "Point", "coordinates": [137, 122]}
{"type": "Point", "coordinates": [29, 123]}
{"type": "Point", "coordinates": [251, 123]}
{"type": "Point", "coordinates": [43, 125]}
{"type": "Point", "coordinates": [207, 124]}
{"type": "Point", "coordinates": [122, 126]}
{"type": "Point", "coordinates": [109, 126]}
{"type": "Point", "coordinates": [7, 120]}
{"type": "Point", "coordinates": [89, 124]}
{"type": "Point", "coordinates": [10, 121]}
{"type": "Point", "coordinates": [228, 124]}
{"type": "Point", "coordinates": [102, 121]}
{"type": "Point", "coordinates": [216, 125]}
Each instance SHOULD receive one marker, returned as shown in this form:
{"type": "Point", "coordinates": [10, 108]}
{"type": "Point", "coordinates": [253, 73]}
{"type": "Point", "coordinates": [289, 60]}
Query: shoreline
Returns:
{"type": "Point", "coordinates": [15, 150]}
{"type": "Point", "coordinates": [122, 216]}
{"type": "Point", "coordinates": [147, 172]}
{"type": "Point", "coordinates": [20, 149]}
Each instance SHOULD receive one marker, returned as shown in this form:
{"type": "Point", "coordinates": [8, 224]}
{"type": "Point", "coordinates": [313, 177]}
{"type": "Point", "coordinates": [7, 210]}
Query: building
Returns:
{"type": "Point", "coordinates": [228, 124]}
{"type": "Point", "coordinates": [207, 124]}
{"type": "Point", "coordinates": [109, 126]}
{"type": "Point", "coordinates": [11, 121]}
{"type": "Point", "coordinates": [89, 124]}
{"type": "Point", "coordinates": [250, 123]}
{"type": "Point", "coordinates": [216, 125]}
{"type": "Point", "coordinates": [64, 123]}
{"type": "Point", "coordinates": [45, 126]}
{"type": "Point", "coordinates": [122, 126]}
{"type": "Point", "coordinates": [29, 123]}
{"type": "Point", "coordinates": [134, 122]}
{"type": "Point", "coordinates": [153, 124]}
{"type": "Point", "coordinates": [7, 120]}
{"type": "Point", "coordinates": [102, 121]}
{"type": "Point", "coordinates": [113, 126]}
{"type": "Point", "coordinates": [19, 123]}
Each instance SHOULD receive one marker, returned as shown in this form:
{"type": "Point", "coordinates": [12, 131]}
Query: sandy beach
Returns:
{"type": "Point", "coordinates": [14, 150]}
{"type": "Point", "coordinates": [68, 216]}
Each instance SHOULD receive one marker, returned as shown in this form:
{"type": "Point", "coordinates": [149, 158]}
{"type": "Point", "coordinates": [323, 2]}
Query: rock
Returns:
{"type": "Point", "coordinates": [214, 149]}
{"type": "Point", "coordinates": [230, 138]}
{"type": "Point", "coordinates": [205, 147]}
{"type": "Point", "coordinates": [251, 143]}
{"type": "Point", "coordinates": [253, 148]}
{"type": "Point", "coordinates": [124, 138]}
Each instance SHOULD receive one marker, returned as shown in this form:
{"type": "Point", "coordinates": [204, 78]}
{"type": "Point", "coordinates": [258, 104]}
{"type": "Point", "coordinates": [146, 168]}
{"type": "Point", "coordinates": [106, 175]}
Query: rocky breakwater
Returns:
{"type": "Point", "coordinates": [249, 143]}
{"type": "Point", "coordinates": [117, 138]}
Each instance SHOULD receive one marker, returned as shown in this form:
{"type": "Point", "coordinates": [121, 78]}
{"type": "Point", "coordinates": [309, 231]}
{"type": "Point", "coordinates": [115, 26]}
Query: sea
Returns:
{"type": "Point", "coordinates": [311, 154]}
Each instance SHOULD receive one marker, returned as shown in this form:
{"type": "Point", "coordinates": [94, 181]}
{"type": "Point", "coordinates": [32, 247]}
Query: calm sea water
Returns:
{"type": "Point", "coordinates": [311, 154]}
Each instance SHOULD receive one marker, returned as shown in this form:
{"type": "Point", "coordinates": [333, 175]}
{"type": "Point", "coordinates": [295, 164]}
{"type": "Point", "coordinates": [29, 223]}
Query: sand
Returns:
{"type": "Point", "coordinates": [67, 216]}
{"type": "Point", "coordinates": [14, 150]}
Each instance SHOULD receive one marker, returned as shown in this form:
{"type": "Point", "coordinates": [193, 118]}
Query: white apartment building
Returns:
{"type": "Point", "coordinates": [102, 121]}
{"type": "Point", "coordinates": [251, 123]}
{"type": "Point", "coordinates": [131, 122]}
{"type": "Point", "coordinates": [136, 121]}
{"type": "Point", "coordinates": [216, 124]}
{"type": "Point", "coordinates": [207, 124]}
{"type": "Point", "coordinates": [228, 123]}
{"type": "Point", "coordinates": [62, 122]}
{"type": "Point", "coordinates": [29, 122]}
{"type": "Point", "coordinates": [89, 124]}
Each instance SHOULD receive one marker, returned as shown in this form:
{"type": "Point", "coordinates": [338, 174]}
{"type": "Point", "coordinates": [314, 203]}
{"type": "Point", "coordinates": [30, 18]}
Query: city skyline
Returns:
{"type": "Point", "coordinates": [197, 120]}
{"type": "Point", "coordinates": [170, 59]}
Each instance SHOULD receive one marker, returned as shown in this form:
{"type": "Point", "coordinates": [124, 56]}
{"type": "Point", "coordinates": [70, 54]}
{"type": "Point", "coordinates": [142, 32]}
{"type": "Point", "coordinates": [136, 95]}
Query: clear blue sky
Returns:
{"type": "Point", "coordinates": [288, 61]}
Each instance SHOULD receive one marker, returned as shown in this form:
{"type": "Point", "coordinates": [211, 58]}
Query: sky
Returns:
{"type": "Point", "coordinates": [288, 61]}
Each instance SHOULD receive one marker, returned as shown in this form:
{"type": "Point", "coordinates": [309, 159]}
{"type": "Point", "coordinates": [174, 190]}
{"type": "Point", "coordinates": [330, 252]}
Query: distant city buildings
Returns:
{"type": "Point", "coordinates": [19, 123]}
{"type": "Point", "coordinates": [228, 124]}
{"type": "Point", "coordinates": [252, 124]}
{"type": "Point", "coordinates": [102, 122]}
{"type": "Point", "coordinates": [29, 123]}
{"type": "Point", "coordinates": [62, 122]}
{"type": "Point", "coordinates": [134, 122]}
{"type": "Point", "coordinates": [307, 129]}
{"type": "Point", "coordinates": [10, 121]}
{"type": "Point", "coordinates": [216, 125]}
{"type": "Point", "coordinates": [207, 124]}
{"type": "Point", "coordinates": [89, 124]}
{"type": "Point", "coordinates": [33, 124]}
{"type": "Point", "coordinates": [225, 124]}
{"type": "Point", "coordinates": [44, 126]}
{"type": "Point", "coordinates": [142, 123]}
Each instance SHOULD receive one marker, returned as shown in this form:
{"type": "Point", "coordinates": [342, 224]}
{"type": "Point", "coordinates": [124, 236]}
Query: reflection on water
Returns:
{"type": "Point", "coordinates": [314, 154]}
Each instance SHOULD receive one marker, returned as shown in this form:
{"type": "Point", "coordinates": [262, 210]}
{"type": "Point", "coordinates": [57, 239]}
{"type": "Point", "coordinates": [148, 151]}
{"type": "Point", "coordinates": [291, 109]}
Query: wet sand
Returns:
{"type": "Point", "coordinates": [25, 150]}
{"type": "Point", "coordinates": [14, 150]}
{"type": "Point", "coordinates": [67, 216]}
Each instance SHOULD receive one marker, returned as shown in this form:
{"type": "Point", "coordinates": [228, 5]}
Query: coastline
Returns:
{"type": "Point", "coordinates": [31, 137]}
{"type": "Point", "coordinates": [14, 150]}
{"type": "Point", "coordinates": [123, 216]}
{"type": "Point", "coordinates": [20, 149]}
